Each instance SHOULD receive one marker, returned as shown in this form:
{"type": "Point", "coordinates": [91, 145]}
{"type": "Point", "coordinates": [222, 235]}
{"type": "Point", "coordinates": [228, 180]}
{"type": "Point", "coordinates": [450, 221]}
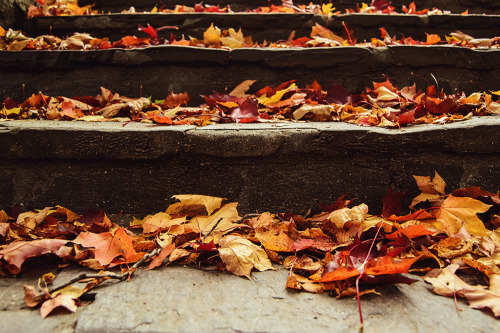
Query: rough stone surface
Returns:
{"type": "Point", "coordinates": [456, 6]}
{"type": "Point", "coordinates": [199, 71]}
{"type": "Point", "coordinates": [365, 26]}
{"type": "Point", "coordinates": [277, 167]}
{"type": "Point", "coordinates": [183, 299]}
{"type": "Point", "coordinates": [13, 13]}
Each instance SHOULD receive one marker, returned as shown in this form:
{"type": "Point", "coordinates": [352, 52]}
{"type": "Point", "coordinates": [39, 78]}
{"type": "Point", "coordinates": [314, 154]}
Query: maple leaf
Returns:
{"type": "Point", "coordinates": [211, 36]}
{"type": "Point", "coordinates": [16, 253]}
{"type": "Point", "coordinates": [241, 255]}
{"type": "Point", "coordinates": [446, 283]}
{"type": "Point", "coordinates": [223, 221]}
{"type": "Point", "coordinates": [108, 246]}
{"type": "Point", "coordinates": [61, 300]}
{"type": "Point", "coordinates": [275, 239]}
{"type": "Point", "coordinates": [431, 190]}
{"type": "Point", "coordinates": [235, 39]}
{"type": "Point", "coordinates": [158, 260]}
{"type": "Point", "coordinates": [158, 222]}
{"type": "Point", "coordinates": [456, 212]}
{"type": "Point", "coordinates": [194, 204]}
{"type": "Point", "coordinates": [241, 89]}
{"type": "Point", "coordinates": [391, 203]}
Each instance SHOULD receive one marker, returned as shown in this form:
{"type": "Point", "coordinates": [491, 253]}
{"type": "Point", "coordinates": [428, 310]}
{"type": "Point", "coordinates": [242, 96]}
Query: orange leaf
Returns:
{"type": "Point", "coordinates": [411, 231]}
{"type": "Point", "coordinates": [341, 273]}
{"type": "Point", "coordinates": [388, 265]}
{"type": "Point", "coordinates": [158, 260]}
{"type": "Point", "coordinates": [107, 245]}
{"type": "Point", "coordinates": [432, 39]}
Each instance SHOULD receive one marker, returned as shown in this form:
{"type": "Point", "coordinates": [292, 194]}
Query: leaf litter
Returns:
{"type": "Point", "coordinates": [384, 105]}
{"type": "Point", "coordinates": [343, 250]}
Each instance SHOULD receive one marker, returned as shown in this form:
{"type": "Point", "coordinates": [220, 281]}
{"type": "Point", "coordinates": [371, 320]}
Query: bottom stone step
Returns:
{"type": "Point", "coordinates": [280, 167]}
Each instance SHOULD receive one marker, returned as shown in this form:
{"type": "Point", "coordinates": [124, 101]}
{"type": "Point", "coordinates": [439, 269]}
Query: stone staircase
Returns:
{"type": "Point", "coordinates": [280, 167]}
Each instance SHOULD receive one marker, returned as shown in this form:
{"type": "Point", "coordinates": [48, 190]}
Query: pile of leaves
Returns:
{"type": "Point", "coordinates": [383, 105]}
{"type": "Point", "coordinates": [70, 7]}
{"type": "Point", "coordinates": [213, 37]}
{"type": "Point", "coordinates": [341, 248]}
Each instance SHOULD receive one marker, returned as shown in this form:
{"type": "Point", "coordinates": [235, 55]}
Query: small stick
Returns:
{"type": "Point", "coordinates": [121, 276]}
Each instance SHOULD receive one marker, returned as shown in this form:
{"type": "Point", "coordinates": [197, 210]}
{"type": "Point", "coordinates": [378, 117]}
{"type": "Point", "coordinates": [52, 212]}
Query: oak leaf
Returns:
{"type": "Point", "coordinates": [241, 255]}
{"type": "Point", "coordinates": [456, 212]}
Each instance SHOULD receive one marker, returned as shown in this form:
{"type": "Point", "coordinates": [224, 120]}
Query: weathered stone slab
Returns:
{"type": "Point", "coordinates": [184, 299]}
{"type": "Point", "coordinates": [277, 167]}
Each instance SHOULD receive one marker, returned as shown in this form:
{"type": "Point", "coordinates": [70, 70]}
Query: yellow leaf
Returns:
{"type": "Point", "coordinates": [227, 216]}
{"type": "Point", "coordinates": [495, 92]}
{"type": "Point", "coordinates": [193, 204]}
{"type": "Point", "coordinates": [241, 255]}
{"type": "Point", "coordinates": [264, 100]}
{"type": "Point", "coordinates": [456, 212]}
{"type": "Point", "coordinates": [235, 39]}
{"type": "Point", "coordinates": [327, 8]}
{"type": "Point", "coordinates": [211, 37]}
{"type": "Point", "coordinates": [8, 112]}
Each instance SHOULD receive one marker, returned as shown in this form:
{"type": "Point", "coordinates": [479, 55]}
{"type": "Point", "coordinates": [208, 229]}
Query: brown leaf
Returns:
{"type": "Point", "coordinates": [240, 256]}
{"type": "Point", "coordinates": [159, 222]}
{"type": "Point", "coordinates": [431, 190]}
{"type": "Point", "coordinates": [242, 88]}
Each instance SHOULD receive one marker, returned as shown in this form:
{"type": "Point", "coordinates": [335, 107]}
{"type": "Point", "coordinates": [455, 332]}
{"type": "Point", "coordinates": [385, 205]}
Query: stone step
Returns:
{"type": "Point", "coordinates": [156, 71]}
{"type": "Point", "coordinates": [272, 27]}
{"type": "Point", "coordinates": [280, 167]}
{"type": "Point", "coordinates": [455, 6]}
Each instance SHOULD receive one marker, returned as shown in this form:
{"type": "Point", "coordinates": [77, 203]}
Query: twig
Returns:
{"type": "Point", "coordinates": [213, 228]}
{"type": "Point", "coordinates": [121, 276]}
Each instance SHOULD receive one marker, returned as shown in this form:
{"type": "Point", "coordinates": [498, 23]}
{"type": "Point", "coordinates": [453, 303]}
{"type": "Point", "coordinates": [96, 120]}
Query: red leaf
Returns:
{"type": "Point", "coordinates": [149, 30]}
{"type": "Point", "coordinates": [391, 202]}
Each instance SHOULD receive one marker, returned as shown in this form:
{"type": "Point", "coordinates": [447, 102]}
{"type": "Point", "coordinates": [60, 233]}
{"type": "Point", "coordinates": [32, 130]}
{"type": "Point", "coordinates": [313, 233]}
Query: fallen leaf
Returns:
{"type": "Point", "coordinates": [240, 256]}
{"type": "Point", "coordinates": [191, 204]}
{"type": "Point", "coordinates": [65, 301]}
{"type": "Point", "coordinates": [456, 212]}
{"type": "Point", "coordinates": [108, 246]}
{"type": "Point", "coordinates": [16, 253]}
